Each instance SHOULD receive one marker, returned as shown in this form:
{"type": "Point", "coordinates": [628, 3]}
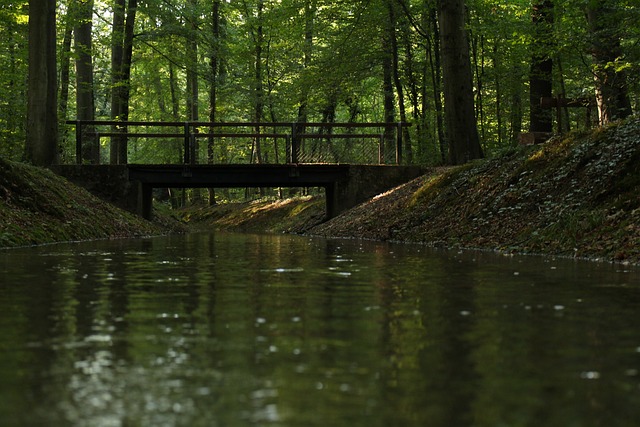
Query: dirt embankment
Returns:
{"type": "Point", "coordinates": [577, 196]}
{"type": "Point", "coordinates": [37, 206]}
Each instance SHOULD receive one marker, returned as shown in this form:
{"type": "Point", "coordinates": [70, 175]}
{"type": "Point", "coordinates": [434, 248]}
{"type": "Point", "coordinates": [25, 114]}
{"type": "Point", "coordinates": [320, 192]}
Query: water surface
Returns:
{"type": "Point", "coordinates": [243, 330]}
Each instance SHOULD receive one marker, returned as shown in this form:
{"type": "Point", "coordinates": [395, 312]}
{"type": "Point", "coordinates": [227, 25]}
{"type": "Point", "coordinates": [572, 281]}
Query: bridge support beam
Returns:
{"type": "Point", "coordinates": [331, 200]}
{"type": "Point", "coordinates": [145, 201]}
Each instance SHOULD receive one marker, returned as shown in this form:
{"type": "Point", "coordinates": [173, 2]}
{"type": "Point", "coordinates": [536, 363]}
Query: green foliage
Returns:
{"type": "Point", "coordinates": [324, 59]}
{"type": "Point", "coordinates": [13, 72]}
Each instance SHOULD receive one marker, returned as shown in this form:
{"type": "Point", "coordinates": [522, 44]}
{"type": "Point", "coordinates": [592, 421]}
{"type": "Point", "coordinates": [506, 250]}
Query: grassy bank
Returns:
{"type": "Point", "coordinates": [575, 196]}
{"type": "Point", "coordinates": [37, 207]}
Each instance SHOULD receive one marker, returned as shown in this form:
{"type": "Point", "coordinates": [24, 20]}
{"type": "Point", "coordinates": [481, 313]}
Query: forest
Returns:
{"type": "Point", "coordinates": [472, 77]}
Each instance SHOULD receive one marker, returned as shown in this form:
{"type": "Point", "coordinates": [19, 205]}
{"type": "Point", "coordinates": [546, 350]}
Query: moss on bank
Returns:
{"type": "Point", "coordinates": [37, 207]}
{"type": "Point", "coordinates": [291, 215]}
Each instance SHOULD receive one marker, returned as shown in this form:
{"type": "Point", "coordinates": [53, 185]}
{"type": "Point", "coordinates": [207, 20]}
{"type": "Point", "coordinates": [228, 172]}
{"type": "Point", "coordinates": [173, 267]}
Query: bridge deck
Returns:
{"type": "Point", "coordinates": [253, 175]}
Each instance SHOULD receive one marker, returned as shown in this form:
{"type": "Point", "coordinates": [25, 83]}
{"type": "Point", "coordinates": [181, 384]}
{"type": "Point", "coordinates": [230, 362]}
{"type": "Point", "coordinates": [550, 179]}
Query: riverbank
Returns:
{"type": "Point", "coordinates": [577, 196]}
{"type": "Point", "coordinates": [39, 207]}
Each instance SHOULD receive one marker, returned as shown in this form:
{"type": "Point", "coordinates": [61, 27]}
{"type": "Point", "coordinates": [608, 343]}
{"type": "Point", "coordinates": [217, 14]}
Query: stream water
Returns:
{"type": "Point", "coordinates": [249, 330]}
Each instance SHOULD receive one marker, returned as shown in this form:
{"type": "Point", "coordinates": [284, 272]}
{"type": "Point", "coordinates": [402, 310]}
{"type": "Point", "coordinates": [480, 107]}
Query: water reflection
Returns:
{"type": "Point", "coordinates": [228, 330]}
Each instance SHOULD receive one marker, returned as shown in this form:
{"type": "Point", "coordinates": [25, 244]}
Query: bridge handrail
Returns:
{"type": "Point", "coordinates": [293, 138]}
{"type": "Point", "coordinates": [238, 124]}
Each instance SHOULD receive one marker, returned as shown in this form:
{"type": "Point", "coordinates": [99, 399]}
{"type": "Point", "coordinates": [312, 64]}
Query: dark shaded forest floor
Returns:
{"type": "Point", "coordinates": [577, 196]}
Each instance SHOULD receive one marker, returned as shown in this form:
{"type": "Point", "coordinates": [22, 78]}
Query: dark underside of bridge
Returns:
{"type": "Point", "coordinates": [221, 176]}
{"type": "Point", "coordinates": [130, 186]}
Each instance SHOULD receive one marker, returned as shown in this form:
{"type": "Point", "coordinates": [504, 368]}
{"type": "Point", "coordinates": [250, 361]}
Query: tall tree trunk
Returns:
{"type": "Point", "coordinates": [414, 93]}
{"type": "Point", "coordinates": [435, 60]}
{"type": "Point", "coordinates": [117, 53]}
{"type": "Point", "coordinates": [214, 65]}
{"type": "Point", "coordinates": [309, 18]}
{"type": "Point", "coordinates": [478, 61]}
{"type": "Point", "coordinates": [173, 89]}
{"type": "Point", "coordinates": [611, 84]}
{"type": "Point", "coordinates": [85, 101]}
{"type": "Point", "coordinates": [65, 65]}
{"type": "Point", "coordinates": [42, 120]}
{"type": "Point", "coordinates": [408, 152]}
{"type": "Point", "coordinates": [389, 101]}
{"type": "Point", "coordinates": [193, 112]}
{"type": "Point", "coordinates": [127, 59]}
{"type": "Point", "coordinates": [192, 61]}
{"type": "Point", "coordinates": [258, 88]}
{"type": "Point", "coordinates": [461, 128]}
{"type": "Point", "coordinates": [498, 85]}
{"type": "Point", "coordinates": [540, 74]}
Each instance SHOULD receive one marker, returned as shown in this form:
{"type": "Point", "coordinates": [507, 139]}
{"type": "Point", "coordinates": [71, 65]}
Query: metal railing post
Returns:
{"type": "Point", "coordinates": [399, 144]}
{"type": "Point", "coordinates": [187, 144]}
{"type": "Point", "coordinates": [294, 143]}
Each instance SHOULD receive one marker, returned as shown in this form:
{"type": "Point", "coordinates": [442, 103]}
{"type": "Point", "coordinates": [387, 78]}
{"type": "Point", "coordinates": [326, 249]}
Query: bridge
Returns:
{"type": "Point", "coordinates": [351, 161]}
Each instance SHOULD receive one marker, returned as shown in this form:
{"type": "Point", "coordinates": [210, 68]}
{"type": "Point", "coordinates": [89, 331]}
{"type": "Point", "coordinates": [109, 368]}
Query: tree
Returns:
{"type": "Point", "coordinates": [85, 97]}
{"type": "Point", "coordinates": [540, 78]}
{"type": "Point", "coordinates": [304, 61]}
{"type": "Point", "coordinates": [13, 69]}
{"type": "Point", "coordinates": [389, 45]}
{"type": "Point", "coordinates": [461, 129]}
{"type": "Point", "coordinates": [609, 74]}
{"type": "Point", "coordinates": [214, 66]}
{"type": "Point", "coordinates": [124, 15]}
{"type": "Point", "coordinates": [42, 120]}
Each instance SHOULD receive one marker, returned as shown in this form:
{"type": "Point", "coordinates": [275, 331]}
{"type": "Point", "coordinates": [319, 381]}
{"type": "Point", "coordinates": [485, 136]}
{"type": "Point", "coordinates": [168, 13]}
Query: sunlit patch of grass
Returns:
{"type": "Point", "coordinates": [436, 183]}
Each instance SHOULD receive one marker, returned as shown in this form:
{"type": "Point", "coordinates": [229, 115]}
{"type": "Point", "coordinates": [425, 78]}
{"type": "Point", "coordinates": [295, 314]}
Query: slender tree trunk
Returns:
{"type": "Point", "coordinates": [258, 88]}
{"type": "Point", "coordinates": [611, 84]}
{"type": "Point", "coordinates": [85, 101]}
{"type": "Point", "coordinates": [213, 88]}
{"type": "Point", "coordinates": [124, 16]}
{"type": "Point", "coordinates": [540, 75]}
{"type": "Point", "coordinates": [42, 120]}
{"type": "Point", "coordinates": [498, 85]}
{"type": "Point", "coordinates": [173, 88]}
{"type": "Point", "coordinates": [117, 54]}
{"type": "Point", "coordinates": [65, 65]}
{"type": "Point", "coordinates": [462, 132]}
{"type": "Point", "coordinates": [389, 101]}
{"type": "Point", "coordinates": [435, 60]}
{"type": "Point", "coordinates": [309, 17]}
{"type": "Point", "coordinates": [414, 93]}
{"type": "Point", "coordinates": [193, 112]}
{"type": "Point", "coordinates": [408, 152]}
{"type": "Point", "coordinates": [127, 59]}
{"type": "Point", "coordinates": [478, 61]}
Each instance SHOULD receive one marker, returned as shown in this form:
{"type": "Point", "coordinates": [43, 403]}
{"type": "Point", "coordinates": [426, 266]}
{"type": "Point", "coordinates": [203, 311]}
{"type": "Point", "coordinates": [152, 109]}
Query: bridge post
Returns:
{"type": "Point", "coordinates": [189, 145]}
{"type": "Point", "coordinates": [145, 200]}
{"type": "Point", "coordinates": [295, 141]}
{"type": "Point", "coordinates": [332, 207]}
{"type": "Point", "coordinates": [399, 144]}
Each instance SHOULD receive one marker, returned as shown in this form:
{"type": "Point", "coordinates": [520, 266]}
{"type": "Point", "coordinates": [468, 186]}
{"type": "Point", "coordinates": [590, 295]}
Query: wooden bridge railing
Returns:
{"type": "Point", "coordinates": [388, 137]}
